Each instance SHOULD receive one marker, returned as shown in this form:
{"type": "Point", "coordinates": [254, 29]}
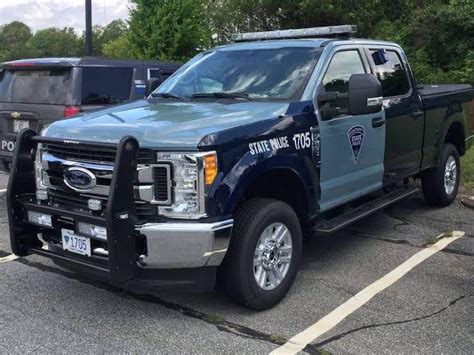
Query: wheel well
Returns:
{"type": "Point", "coordinates": [283, 185]}
{"type": "Point", "coordinates": [455, 136]}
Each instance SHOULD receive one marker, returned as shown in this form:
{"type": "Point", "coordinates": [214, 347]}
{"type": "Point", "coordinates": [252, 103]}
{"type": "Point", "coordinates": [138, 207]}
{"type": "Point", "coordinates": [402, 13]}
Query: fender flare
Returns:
{"type": "Point", "coordinates": [249, 169]}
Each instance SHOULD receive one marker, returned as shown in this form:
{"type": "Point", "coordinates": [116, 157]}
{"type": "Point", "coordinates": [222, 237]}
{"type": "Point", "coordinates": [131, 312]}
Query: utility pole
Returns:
{"type": "Point", "coordinates": [88, 43]}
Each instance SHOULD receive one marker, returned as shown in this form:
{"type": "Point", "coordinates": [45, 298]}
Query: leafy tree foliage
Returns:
{"type": "Point", "coordinates": [118, 48]}
{"type": "Point", "coordinates": [169, 29]}
{"type": "Point", "coordinates": [437, 35]}
{"type": "Point", "coordinates": [102, 35]}
{"type": "Point", "coordinates": [54, 42]}
{"type": "Point", "coordinates": [13, 39]}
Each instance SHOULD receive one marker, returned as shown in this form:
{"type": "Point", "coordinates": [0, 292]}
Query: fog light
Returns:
{"type": "Point", "coordinates": [94, 205]}
{"type": "Point", "coordinates": [40, 218]}
{"type": "Point", "coordinates": [92, 231]}
{"type": "Point", "coordinates": [42, 195]}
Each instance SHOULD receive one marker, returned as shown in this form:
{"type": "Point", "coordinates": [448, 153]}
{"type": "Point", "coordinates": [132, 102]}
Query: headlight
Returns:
{"type": "Point", "coordinates": [192, 172]}
{"type": "Point", "coordinates": [39, 169]}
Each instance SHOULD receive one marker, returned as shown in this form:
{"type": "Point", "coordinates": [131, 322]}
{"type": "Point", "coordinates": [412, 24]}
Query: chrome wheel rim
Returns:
{"type": "Point", "coordinates": [272, 257]}
{"type": "Point", "coordinates": [450, 175]}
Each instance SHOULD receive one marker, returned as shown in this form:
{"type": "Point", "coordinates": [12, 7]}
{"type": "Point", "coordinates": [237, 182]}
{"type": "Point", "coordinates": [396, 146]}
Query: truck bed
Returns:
{"type": "Point", "coordinates": [444, 96]}
{"type": "Point", "coordinates": [429, 91]}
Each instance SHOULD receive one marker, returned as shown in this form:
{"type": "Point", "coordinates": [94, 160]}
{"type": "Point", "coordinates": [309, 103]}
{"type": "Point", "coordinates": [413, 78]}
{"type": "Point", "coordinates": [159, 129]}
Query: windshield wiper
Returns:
{"type": "Point", "coordinates": [222, 95]}
{"type": "Point", "coordinates": [166, 95]}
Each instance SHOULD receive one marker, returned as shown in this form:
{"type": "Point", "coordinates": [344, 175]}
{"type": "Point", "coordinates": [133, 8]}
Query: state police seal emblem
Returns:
{"type": "Point", "coordinates": [356, 140]}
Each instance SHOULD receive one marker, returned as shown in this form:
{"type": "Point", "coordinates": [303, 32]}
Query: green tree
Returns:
{"type": "Point", "coordinates": [54, 42]}
{"type": "Point", "coordinates": [13, 41]}
{"type": "Point", "coordinates": [101, 35]}
{"type": "Point", "coordinates": [169, 29]}
{"type": "Point", "coordinates": [118, 48]}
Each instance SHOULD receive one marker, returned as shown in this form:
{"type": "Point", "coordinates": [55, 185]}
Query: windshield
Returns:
{"type": "Point", "coordinates": [265, 74]}
{"type": "Point", "coordinates": [46, 86]}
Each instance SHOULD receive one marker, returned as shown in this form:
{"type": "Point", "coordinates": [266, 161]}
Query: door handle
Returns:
{"type": "Point", "coordinates": [417, 114]}
{"type": "Point", "coordinates": [378, 122]}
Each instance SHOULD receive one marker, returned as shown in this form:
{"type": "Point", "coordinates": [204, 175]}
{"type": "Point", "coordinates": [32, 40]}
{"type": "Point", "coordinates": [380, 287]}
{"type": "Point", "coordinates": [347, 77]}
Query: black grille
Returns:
{"type": "Point", "coordinates": [161, 176]}
{"type": "Point", "coordinates": [91, 153]}
{"type": "Point", "coordinates": [74, 201]}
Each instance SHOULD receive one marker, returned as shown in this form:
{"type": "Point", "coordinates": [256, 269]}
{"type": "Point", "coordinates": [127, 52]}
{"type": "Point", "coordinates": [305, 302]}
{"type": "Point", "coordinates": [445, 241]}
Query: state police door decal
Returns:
{"type": "Point", "coordinates": [356, 140]}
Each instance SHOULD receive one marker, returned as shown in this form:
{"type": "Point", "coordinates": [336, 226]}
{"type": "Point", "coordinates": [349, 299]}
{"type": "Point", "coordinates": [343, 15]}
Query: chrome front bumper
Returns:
{"type": "Point", "coordinates": [185, 245]}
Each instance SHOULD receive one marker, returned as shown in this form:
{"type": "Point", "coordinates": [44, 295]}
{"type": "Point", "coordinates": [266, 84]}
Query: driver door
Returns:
{"type": "Point", "coordinates": [352, 146]}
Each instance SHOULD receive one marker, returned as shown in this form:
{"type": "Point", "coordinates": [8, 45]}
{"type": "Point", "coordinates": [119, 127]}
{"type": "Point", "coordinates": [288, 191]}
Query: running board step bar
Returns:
{"type": "Point", "coordinates": [343, 220]}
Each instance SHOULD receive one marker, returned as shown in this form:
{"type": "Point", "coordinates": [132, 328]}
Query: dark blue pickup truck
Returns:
{"type": "Point", "coordinates": [218, 175]}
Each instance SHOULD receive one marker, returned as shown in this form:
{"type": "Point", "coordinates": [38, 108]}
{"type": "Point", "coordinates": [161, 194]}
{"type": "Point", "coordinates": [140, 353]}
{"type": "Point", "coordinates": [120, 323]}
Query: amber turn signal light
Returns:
{"type": "Point", "coordinates": [210, 168]}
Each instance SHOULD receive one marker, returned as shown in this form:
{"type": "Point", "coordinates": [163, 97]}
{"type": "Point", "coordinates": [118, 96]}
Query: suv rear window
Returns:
{"type": "Point", "coordinates": [101, 86]}
{"type": "Point", "coordinates": [45, 86]}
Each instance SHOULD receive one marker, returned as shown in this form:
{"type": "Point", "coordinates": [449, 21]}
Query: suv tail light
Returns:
{"type": "Point", "coordinates": [71, 111]}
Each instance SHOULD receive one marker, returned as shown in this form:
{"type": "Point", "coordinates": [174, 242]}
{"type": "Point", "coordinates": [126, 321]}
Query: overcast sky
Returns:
{"type": "Point", "coordinates": [40, 14]}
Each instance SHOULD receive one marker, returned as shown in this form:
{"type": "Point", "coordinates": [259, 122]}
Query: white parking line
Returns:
{"type": "Point", "coordinates": [10, 257]}
{"type": "Point", "coordinates": [3, 190]}
{"type": "Point", "coordinates": [325, 324]}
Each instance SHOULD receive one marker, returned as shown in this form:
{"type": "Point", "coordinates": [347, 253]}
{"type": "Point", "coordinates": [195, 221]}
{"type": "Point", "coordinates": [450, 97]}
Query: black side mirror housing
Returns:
{"type": "Point", "coordinates": [151, 85]}
{"type": "Point", "coordinates": [365, 94]}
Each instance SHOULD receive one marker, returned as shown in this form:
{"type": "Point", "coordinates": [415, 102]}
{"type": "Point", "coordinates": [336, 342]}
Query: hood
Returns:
{"type": "Point", "coordinates": [159, 124]}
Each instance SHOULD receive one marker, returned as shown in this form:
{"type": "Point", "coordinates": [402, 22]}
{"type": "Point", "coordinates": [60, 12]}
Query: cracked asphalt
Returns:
{"type": "Point", "coordinates": [44, 308]}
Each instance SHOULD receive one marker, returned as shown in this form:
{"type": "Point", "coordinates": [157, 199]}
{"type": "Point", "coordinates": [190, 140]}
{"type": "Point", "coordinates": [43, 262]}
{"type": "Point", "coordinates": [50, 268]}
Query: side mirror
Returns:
{"type": "Point", "coordinates": [151, 85]}
{"type": "Point", "coordinates": [365, 94]}
{"type": "Point", "coordinates": [330, 104]}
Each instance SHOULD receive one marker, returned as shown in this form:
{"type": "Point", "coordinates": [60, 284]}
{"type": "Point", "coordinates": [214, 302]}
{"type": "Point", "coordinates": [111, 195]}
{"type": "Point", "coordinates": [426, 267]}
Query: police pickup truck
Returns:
{"type": "Point", "coordinates": [215, 178]}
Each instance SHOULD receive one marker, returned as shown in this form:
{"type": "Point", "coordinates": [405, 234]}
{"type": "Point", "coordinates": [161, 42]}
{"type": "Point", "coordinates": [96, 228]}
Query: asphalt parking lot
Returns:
{"type": "Point", "coordinates": [44, 308]}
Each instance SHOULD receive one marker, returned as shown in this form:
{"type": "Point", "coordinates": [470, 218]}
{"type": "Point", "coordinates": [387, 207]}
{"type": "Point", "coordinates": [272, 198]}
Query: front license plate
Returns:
{"type": "Point", "coordinates": [18, 125]}
{"type": "Point", "coordinates": [75, 243]}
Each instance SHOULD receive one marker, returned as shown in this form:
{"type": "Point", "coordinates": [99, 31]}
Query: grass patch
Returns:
{"type": "Point", "coordinates": [467, 165]}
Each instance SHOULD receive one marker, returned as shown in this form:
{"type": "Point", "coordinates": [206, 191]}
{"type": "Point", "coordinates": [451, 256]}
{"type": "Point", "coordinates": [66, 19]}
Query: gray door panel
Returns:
{"type": "Point", "coordinates": [352, 149]}
{"type": "Point", "coordinates": [350, 170]}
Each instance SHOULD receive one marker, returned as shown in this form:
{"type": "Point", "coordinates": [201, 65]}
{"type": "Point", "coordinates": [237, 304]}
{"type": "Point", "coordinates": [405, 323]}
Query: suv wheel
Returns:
{"type": "Point", "coordinates": [264, 254]}
{"type": "Point", "coordinates": [440, 185]}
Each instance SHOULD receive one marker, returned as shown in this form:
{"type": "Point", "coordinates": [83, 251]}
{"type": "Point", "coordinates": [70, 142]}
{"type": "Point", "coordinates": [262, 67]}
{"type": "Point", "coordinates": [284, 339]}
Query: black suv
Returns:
{"type": "Point", "coordinates": [35, 92]}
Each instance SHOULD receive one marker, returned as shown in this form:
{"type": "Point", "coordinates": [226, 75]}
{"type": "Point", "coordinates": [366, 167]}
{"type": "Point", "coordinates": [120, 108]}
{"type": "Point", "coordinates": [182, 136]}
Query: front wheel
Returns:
{"type": "Point", "coordinates": [264, 254]}
{"type": "Point", "coordinates": [440, 185]}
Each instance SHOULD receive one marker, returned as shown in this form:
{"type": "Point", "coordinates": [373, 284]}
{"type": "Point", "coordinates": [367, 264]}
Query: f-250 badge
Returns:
{"type": "Point", "coordinates": [356, 140]}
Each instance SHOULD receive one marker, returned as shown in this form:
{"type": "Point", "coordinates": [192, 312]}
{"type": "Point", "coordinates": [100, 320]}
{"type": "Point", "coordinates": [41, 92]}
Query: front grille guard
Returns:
{"type": "Point", "coordinates": [120, 216]}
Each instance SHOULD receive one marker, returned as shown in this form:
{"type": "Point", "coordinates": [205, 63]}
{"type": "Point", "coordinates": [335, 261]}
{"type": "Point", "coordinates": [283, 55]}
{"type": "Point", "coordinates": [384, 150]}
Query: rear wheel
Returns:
{"type": "Point", "coordinates": [440, 185]}
{"type": "Point", "coordinates": [264, 254]}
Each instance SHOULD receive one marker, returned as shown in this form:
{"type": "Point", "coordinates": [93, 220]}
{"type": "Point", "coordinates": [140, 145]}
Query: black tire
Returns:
{"type": "Point", "coordinates": [236, 274]}
{"type": "Point", "coordinates": [433, 180]}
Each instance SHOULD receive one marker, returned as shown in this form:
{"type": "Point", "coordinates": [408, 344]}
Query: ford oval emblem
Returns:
{"type": "Point", "coordinates": [79, 179]}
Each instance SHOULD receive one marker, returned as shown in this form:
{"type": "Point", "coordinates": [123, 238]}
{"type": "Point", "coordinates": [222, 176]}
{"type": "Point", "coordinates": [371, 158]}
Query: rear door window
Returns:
{"type": "Point", "coordinates": [104, 86]}
{"type": "Point", "coordinates": [45, 86]}
{"type": "Point", "coordinates": [392, 74]}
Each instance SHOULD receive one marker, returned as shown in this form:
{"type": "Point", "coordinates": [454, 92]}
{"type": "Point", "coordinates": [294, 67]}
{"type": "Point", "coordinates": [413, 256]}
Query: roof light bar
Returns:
{"type": "Point", "coordinates": [328, 31]}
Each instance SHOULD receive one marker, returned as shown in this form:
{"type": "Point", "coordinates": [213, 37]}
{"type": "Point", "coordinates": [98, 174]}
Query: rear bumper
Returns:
{"type": "Point", "coordinates": [157, 255]}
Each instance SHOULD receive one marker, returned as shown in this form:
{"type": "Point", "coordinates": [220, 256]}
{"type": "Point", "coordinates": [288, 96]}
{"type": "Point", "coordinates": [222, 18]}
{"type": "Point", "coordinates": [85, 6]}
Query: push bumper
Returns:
{"type": "Point", "coordinates": [157, 255]}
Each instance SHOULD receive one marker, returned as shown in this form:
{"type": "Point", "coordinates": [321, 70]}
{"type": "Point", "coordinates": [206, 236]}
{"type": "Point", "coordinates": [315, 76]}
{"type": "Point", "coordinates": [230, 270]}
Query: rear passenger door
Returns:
{"type": "Point", "coordinates": [352, 147]}
{"type": "Point", "coordinates": [403, 110]}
